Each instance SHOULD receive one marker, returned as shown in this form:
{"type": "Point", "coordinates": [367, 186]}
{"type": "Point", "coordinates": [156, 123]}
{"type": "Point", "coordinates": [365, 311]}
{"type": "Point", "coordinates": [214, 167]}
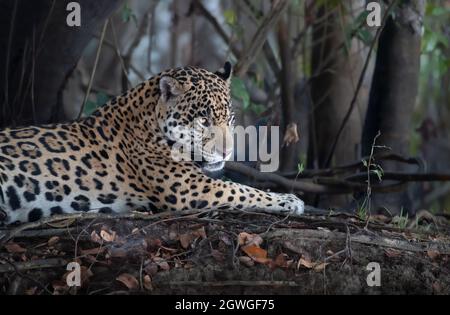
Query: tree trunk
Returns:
{"type": "Point", "coordinates": [336, 68]}
{"type": "Point", "coordinates": [394, 91]}
{"type": "Point", "coordinates": [288, 158]}
{"type": "Point", "coordinates": [39, 51]}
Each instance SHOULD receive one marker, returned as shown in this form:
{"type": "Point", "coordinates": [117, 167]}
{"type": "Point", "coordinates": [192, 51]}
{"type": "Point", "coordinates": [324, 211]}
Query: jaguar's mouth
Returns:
{"type": "Point", "coordinates": [213, 167]}
{"type": "Point", "coordinates": [3, 215]}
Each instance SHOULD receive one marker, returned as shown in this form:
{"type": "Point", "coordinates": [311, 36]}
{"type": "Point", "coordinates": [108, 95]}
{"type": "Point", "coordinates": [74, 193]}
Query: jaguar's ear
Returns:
{"type": "Point", "coordinates": [226, 72]}
{"type": "Point", "coordinates": [169, 87]}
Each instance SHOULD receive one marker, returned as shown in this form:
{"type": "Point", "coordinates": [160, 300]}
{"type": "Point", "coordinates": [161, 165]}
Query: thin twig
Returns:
{"type": "Point", "coordinates": [16, 269]}
{"type": "Point", "coordinates": [353, 166]}
{"type": "Point", "coordinates": [32, 264]}
{"type": "Point", "coordinates": [8, 56]}
{"type": "Point", "coordinates": [368, 199]}
{"type": "Point", "coordinates": [91, 79]}
{"type": "Point", "coordinates": [119, 55]}
{"type": "Point", "coordinates": [88, 216]}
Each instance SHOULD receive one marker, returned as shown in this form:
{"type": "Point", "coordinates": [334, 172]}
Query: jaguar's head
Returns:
{"type": "Point", "coordinates": [195, 114]}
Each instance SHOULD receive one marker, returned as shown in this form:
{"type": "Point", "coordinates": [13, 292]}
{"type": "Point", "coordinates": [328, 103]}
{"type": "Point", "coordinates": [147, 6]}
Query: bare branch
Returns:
{"type": "Point", "coordinates": [198, 5]}
{"type": "Point", "coordinates": [260, 37]}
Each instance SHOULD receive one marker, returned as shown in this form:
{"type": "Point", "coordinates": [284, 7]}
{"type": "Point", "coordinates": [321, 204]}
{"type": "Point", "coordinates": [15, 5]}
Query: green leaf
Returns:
{"type": "Point", "coordinates": [331, 4]}
{"type": "Point", "coordinates": [361, 19]}
{"type": "Point", "coordinates": [300, 168]}
{"type": "Point", "coordinates": [89, 108]}
{"type": "Point", "coordinates": [364, 162]}
{"type": "Point", "coordinates": [358, 29]}
{"type": "Point", "coordinates": [443, 65]}
{"type": "Point", "coordinates": [239, 92]}
{"type": "Point", "coordinates": [258, 109]}
{"type": "Point", "coordinates": [365, 36]}
{"type": "Point", "coordinates": [436, 10]}
{"type": "Point", "coordinates": [102, 98]}
{"type": "Point", "coordinates": [379, 174]}
{"type": "Point", "coordinates": [230, 17]}
{"type": "Point", "coordinates": [127, 14]}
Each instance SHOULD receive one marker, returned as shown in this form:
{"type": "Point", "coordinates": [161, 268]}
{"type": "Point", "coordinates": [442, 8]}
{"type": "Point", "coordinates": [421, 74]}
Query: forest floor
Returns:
{"type": "Point", "coordinates": [227, 253]}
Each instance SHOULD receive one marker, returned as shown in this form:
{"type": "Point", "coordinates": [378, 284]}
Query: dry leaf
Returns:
{"type": "Point", "coordinates": [86, 273]}
{"type": "Point", "coordinates": [200, 232]}
{"type": "Point", "coordinates": [320, 267]}
{"type": "Point", "coordinates": [157, 259]}
{"type": "Point", "coordinates": [219, 256]}
{"type": "Point", "coordinates": [148, 283]}
{"type": "Point", "coordinates": [225, 239]}
{"type": "Point", "coordinates": [247, 261]}
{"type": "Point", "coordinates": [433, 254]}
{"type": "Point", "coordinates": [95, 237]}
{"type": "Point", "coordinates": [162, 263]}
{"type": "Point", "coordinates": [305, 263]}
{"type": "Point", "coordinates": [280, 261]}
{"type": "Point", "coordinates": [173, 232]}
{"type": "Point", "coordinates": [53, 240]}
{"type": "Point", "coordinates": [392, 253]}
{"type": "Point", "coordinates": [14, 248]}
{"type": "Point", "coordinates": [289, 263]}
{"type": "Point", "coordinates": [164, 266]}
{"type": "Point", "coordinates": [188, 265]}
{"type": "Point", "coordinates": [290, 135]}
{"type": "Point", "coordinates": [152, 243]}
{"type": "Point", "coordinates": [59, 287]}
{"type": "Point", "coordinates": [107, 237]}
{"type": "Point", "coordinates": [93, 251]}
{"type": "Point", "coordinates": [256, 253]}
{"type": "Point", "coordinates": [135, 231]}
{"type": "Point", "coordinates": [178, 263]}
{"type": "Point", "coordinates": [117, 252]}
{"type": "Point", "coordinates": [151, 269]}
{"type": "Point", "coordinates": [186, 240]}
{"type": "Point", "coordinates": [316, 266]}
{"type": "Point", "coordinates": [249, 239]}
{"type": "Point", "coordinates": [31, 291]}
{"type": "Point", "coordinates": [129, 281]}
{"type": "Point", "coordinates": [437, 288]}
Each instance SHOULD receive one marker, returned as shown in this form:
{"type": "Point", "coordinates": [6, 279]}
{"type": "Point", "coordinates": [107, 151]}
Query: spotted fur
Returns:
{"type": "Point", "coordinates": [119, 159]}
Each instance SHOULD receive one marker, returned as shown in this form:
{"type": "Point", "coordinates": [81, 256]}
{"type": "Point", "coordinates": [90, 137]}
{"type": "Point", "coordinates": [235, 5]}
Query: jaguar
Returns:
{"type": "Point", "coordinates": [121, 158]}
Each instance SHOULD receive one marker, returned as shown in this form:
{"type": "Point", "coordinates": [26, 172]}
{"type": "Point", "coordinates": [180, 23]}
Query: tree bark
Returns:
{"type": "Point", "coordinates": [39, 52]}
{"type": "Point", "coordinates": [394, 90]}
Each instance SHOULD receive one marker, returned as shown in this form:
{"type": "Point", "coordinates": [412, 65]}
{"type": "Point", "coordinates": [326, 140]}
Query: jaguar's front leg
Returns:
{"type": "Point", "coordinates": [203, 192]}
{"type": "Point", "coordinates": [233, 195]}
